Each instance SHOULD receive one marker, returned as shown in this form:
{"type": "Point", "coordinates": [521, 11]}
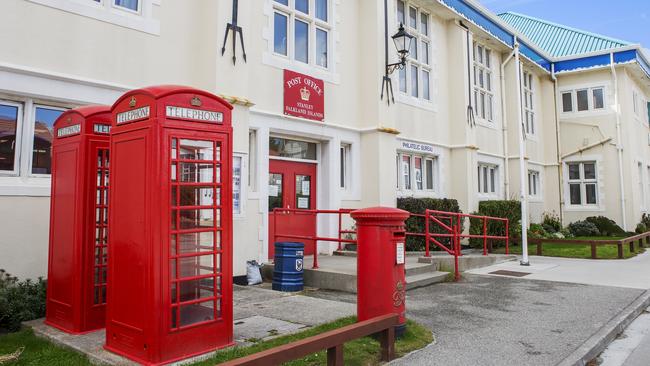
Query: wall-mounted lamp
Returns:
{"type": "Point", "coordinates": [402, 40]}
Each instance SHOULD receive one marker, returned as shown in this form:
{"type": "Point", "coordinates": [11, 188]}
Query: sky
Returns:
{"type": "Point", "coordinates": [626, 20]}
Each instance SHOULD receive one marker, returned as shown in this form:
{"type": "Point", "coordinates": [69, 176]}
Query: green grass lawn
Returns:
{"type": "Point", "coordinates": [577, 251]}
{"type": "Point", "coordinates": [364, 351]}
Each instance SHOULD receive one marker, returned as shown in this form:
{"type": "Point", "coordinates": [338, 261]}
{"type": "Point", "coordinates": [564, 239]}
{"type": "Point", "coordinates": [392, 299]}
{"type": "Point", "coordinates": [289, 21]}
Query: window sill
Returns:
{"type": "Point", "coordinates": [284, 63]}
{"type": "Point", "coordinates": [415, 102]}
{"type": "Point", "coordinates": [122, 18]}
{"type": "Point", "coordinates": [487, 124]}
{"type": "Point", "coordinates": [579, 208]}
{"type": "Point", "coordinates": [418, 194]}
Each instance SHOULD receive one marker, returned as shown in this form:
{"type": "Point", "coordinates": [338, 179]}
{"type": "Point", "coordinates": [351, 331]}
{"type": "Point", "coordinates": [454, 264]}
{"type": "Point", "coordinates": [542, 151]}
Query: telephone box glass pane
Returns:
{"type": "Point", "coordinates": [196, 173]}
{"type": "Point", "coordinates": [196, 150]}
{"type": "Point", "coordinates": [197, 313]}
{"type": "Point", "coordinates": [196, 289]}
{"type": "Point", "coordinates": [196, 266]}
{"type": "Point", "coordinates": [196, 196]}
{"type": "Point", "coordinates": [193, 219]}
{"type": "Point", "coordinates": [194, 242]}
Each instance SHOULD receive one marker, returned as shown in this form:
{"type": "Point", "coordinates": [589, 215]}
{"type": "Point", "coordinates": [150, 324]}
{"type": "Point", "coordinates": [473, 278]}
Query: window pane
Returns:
{"type": "Point", "coordinates": [275, 191]}
{"type": "Point", "coordinates": [400, 12]}
{"type": "Point", "coordinates": [129, 4]}
{"type": "Point", "coordinates": [574, 191]}
{"type": "Point", "coordinates": [283, 2]}
{"type": "Point", "coordinates": [583, 100]}
{"type": "Point", "coordinates": [303, 191]}
{"type": "Point", "coordinates": [287, 148]}
{"type": "Point", "coordinates": [485, 179]}
{"type": "Point", "coordinates": [302, 5]}
{"type": "Point", "coordinates": [414, 81]}
{"type": "Point", "coordinates": [487, 57]}
{"type": "Point", "coordinates": [479, 51]}
{"type": "Point", "coordinates": [321, 10]}
{"type": "Point", "coordinates": [402, 80]}
{"type": "Point", "coordinates": [321, 47]}
{"type": "Point", "coordinates": [413, 17]}
{"type": "Point", "coordinates": [574, 171]}
{"type": "Point", "coordinates": [425, 53]}
{"type": "Point", "coordinates": [406, 171]}
{"type": "Point", "coordinates": [43, 136]}
{"type": "Point", "coordinates": [418, 172]}
{"type": "Point", "coordinates": [590, 170]}
{"type": "Point", "coordinates": [280, 34]}
{"type": "Point", "coordinates": [567, 102]}
{"type": "Point", "coordinates": [8, 124]}
{"type": "Point", "coordinates": [493, 180]}
{"type": "Point", "coordinates": [425, 85]}
{"type": "Point", "coordinates": [342, 166]}
{"type": "Point", "coordinates": [424, 24]}
{"type": "Point", "coordinates": [302, 41]}
{"type": "Point", "coordinates": [598, 98]}
{"type": "Point", "coordinates": [590, 190]}
{"type": "Point", "coordinates": [413, 52]}
{"type": "Point", "coordinates": [429, 172]}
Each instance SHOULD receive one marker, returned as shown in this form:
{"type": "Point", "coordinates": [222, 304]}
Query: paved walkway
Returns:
{"type": "Point", "coordinates": [633, 347]}
{"type": "Point", "coordinates": [632, 273]}
{"type": "Point", "coordinates": [490, 320]}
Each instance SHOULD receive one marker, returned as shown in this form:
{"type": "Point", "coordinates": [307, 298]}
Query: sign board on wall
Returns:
{"type": "Point", "coordinates": [304, 96]}
{"type": "Point", "coordinates": [416, 147]}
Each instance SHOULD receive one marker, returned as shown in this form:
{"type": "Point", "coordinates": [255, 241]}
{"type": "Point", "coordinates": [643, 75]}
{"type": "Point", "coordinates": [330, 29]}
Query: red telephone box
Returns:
{"type": "Point", "coordinates": [76, 282]}
{"type": "Point", "coordinates": [170, 244]}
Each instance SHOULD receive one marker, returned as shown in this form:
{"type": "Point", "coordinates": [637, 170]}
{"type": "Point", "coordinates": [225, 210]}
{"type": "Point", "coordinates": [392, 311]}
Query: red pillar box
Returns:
{"type": "Point", "coordinates": [170, 246]}
{"type": "Point", "coordinates": [76, 281]}
{"type": "Point", "coordinates": [381, 285]}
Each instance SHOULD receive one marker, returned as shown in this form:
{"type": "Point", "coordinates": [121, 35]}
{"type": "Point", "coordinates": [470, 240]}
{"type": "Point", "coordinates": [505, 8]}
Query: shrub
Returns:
{"type": "Point", "coordinates": [20, 301]}
{"type": "Point", "coordinates": [509, 209]}
{"type": "Point", "coordinates": [551, 222]}
{"type": "Point", "coordinates": [645, 220]}
{"type": "Point", "coordinates": [606, 226]}
{"type": "Point", "coordinates": [537, 231]}
{"type": "Point", "coordinates": [583, 228]}
{"type": "Point", "coordinates": [641, 228]}
{"type": "Point", "coordinates": [416, 224]}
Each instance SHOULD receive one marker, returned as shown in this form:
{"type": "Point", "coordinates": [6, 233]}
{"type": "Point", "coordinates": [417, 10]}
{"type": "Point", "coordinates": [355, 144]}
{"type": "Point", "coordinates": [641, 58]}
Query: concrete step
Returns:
{"type": "Point", "coordinates": [420, 268]}
{"type": "Point", "coordinates": [345, 253]}
{"type": "Point", "coordinates": [466, 262]}
{"type": "Point", "coordinates": [425, 279]}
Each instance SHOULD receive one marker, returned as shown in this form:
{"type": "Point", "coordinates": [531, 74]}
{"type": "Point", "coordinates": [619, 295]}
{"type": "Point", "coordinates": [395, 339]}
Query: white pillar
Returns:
{"type": "Point", "coordinates": [522, 164]}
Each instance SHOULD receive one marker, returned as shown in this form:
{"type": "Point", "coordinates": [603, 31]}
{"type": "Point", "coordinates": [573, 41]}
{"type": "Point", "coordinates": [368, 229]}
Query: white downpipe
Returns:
{"type": "Point", "coordinates": [619, 145]}
{"type": "Point", "coordinates": [522, 164]}
{"type": "Point", "coordinates": [560, 171]}
{"type": "Point", "coordinates": [504, 123]}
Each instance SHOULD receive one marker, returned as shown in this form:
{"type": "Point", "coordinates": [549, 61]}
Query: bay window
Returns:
{"type": "Point", "coordinates": [301, 31]}
{"type": "Point", "coordinates": [583, 183]}
{"type": "Point", "coordinates": [415, 78]}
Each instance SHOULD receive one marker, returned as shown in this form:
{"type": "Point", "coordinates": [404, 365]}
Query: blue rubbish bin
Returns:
{"type": "Point", "coordinates": [288, 263]}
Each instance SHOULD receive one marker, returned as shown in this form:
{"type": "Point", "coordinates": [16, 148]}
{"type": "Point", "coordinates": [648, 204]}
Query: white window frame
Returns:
{"type": "Point", "coordinates": [529, 103]}
{"type": "Point", "coordinates": [482, 65]}
{"type": "Point", "coordinates": [107, 11]}
{"type": "Point", "coordinates": [19, 137]}
{"type": "Point", "coordinates": [493, 188]}
{"type": "Point", "coordinates": [313, 23]}
{"type": "Point", "coordinates": [418, 40]}
{"type": "Point", "coordinates": [582, 182]}
{"type": "Point", "coordinates": [413, 190]}
{"type": "Point", "coordinates": [590, 99]}
{"type": "Point", "coordinates": [243, 185]}
{"type": "Point", "coordinates": [534, 182]}
{"type": "Point", "coordinates": [642, 185]}
{"type": "Point", "coordinates": [647, 186]}
{"type": "Point", "coordinates": [345, 159]}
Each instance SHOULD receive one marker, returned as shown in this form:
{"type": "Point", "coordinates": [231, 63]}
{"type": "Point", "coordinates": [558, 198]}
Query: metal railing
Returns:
{"type": "Point", "coordinates": [282, 212]}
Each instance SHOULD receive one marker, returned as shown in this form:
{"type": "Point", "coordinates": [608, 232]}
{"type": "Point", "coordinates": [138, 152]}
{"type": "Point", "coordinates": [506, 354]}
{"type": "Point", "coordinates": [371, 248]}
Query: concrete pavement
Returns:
{"type": "Point", "coordinates": [632, 348]}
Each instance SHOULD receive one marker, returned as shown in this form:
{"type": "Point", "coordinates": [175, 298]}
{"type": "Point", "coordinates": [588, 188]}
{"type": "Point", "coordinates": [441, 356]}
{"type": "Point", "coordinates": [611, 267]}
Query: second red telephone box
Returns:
{"type": "Point", "coordinates": [170, 273]}
{"type": "Point", "coordinates": [77, 259]}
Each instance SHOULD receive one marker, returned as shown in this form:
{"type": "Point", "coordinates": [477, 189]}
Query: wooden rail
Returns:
{"type": "Point", "coordinates": [641, 241]}
{"type": "Point", "coordinates": [332, 341]}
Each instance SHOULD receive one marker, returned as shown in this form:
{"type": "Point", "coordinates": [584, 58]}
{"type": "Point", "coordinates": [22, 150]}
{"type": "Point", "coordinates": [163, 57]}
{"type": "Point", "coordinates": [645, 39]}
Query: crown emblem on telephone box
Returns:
{"type": "Point", "coordinates": [132, 102]}
{"type": "Point", "coordinates": [305, 94]}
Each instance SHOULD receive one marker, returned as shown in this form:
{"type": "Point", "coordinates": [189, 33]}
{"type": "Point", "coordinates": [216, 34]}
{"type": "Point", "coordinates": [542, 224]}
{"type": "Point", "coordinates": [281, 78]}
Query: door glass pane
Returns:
{"type": "Point", "coordinates": [193, 242]}
{"type": "Point", "coordinates": [194, 266]}
{"type": "Point", "coordinates": [275, 191]}
{"type": "Point", "coordinates": [321, 47]}
{"type": "Point", "coordinates": [590, 190]}
{"type": "Point", "coordinates": [303, 191]}
{"type": "Point", "coordinates": [196, 289]}
{"type": "Point", "coordinates": [197, 313]}
{"type": "Point", "coordinates": [8, 125]}
{"type": "Point", "coordinates": [195, 219]}
{"type": "Point", "coordinates": [301, 41]}
{"type": "Point", "coordinates": [321, 10]}
{"type": "Point", "coordinates": [590, 170]}
{"type": "Point", "coordinates": [43, 136]}
{"type": "Point", "coordinates": [292, 149]}
{"type": "Point", "coordinates": [574, 191]}
{"type": "Point", "coordinates": [280, 33]}
{"type": "Point", "coordinates": [583, 100]}
{"type": "Point", "coordinates": [196, 173]}
{"type": "Point", "coordinates": [196, 150]}
{"type": "Point", "coordinates": [196, 196]}
{"type": "Point", "coordinates": [567, 102]}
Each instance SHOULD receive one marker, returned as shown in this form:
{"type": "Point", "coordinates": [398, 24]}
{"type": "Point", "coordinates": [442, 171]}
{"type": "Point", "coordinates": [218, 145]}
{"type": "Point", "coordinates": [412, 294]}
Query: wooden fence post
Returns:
{"type": "Point", "coordinates": [632, 246]}
{"type": "Point", "coordinates": [387, 343]}
{"type": "Point", "coordinates": [593, 250]}
{"type": "Point", "coordinates": [539, 247]}
{"type": "Point", "coordinates": [620, 249]}
{"type": "Point", "coordinates": [335, 356]}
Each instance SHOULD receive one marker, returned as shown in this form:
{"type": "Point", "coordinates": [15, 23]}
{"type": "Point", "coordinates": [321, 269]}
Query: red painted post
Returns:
{"type": "Point", "coordinates": [427, 235]}
{"type": "Point", "coordinates": [507, 236]}
{"type": "Point", "coordinates": [339, 230]}
{"type": "Point", "coordinates": [315, 264]}
{"type": "Point", "coordinates": [381, 258]}
{"type": "Point", "coordinates": [485, 235]}
{"type": "Point", "coordinates": [456, 240]}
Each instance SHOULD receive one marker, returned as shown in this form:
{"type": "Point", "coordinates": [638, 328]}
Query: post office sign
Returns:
{"type": "Point", "coordinates": [304, 96]}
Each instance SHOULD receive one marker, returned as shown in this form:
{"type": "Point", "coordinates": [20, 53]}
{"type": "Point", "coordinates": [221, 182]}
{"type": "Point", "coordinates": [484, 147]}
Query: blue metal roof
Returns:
{"type": "Point", "coordinates": [559, 40]}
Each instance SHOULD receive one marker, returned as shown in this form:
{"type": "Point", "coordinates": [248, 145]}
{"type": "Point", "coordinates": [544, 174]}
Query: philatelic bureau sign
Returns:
{"type": "Point", "coordinates": [304, 96]}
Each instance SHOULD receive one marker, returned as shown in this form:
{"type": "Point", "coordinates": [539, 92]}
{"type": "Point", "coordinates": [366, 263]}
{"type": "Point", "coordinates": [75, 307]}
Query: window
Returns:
{"type": "Point", "coordinates": [417, 172]}
{"type": "Point", "coordinates": [128, 4]}
{"type": "Point", "coordinates": [583, 183]}
{"type": "Point", "coordinates": [582, 100]}
{"type": "Point", "coordinates": [533, 183]}
{"type": "Point", "coordinates": [415, 78]}
{"type": "Point", "coordinates": [529, 110]}
{"type": "Point", "coordinates": [252, 160]}
{"type": "Point", "coordinates": [301, 31]}
{"type": "Point", "coordinates": [293, 149]}
{"type": "Point", "coordinates": [26, 137]}
{"type": "Point", "coordinates": [487, 178]}
{"type": "Point", "coordinates": [483, 93]}
{"type": "Point", "coordinates": [345, 165]}
{"type": "Point", "coordinates": [640, 183]}
{"type": "Point", "coordinates": [648, 186]}
{"type": "Point", "coordinates": [236, 185]}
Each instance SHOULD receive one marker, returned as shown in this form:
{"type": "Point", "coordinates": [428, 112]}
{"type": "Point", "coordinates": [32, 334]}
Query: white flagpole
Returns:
{"type": "Point", "coordinates": [522, 165]}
